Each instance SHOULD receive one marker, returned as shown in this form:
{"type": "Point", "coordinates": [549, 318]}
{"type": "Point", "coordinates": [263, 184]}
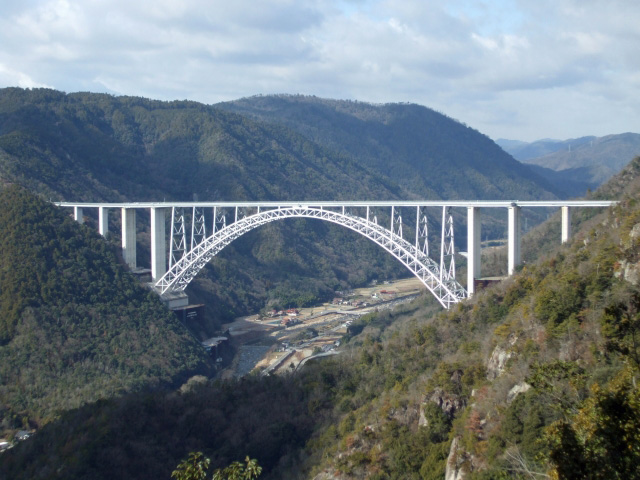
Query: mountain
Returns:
{"type": "Point", "coordinates": [524, 151]}
{"type": "Point", "coordinates": [536, 373]}
{"type": "Point", "coordinates": [587, 160]}
{"type": "Point", "coordinates": [429, 154]}
{"type": "Point", "coordinates": [569, 183]}
{"type": "Point", "coordinates": [74, 326]}
{"type": "Point", "coordinates": [97, 147]}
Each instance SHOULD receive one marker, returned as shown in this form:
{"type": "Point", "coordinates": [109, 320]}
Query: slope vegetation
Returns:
{"type": "Point", "coordinates": [75, 326]}
{"type": "Point", "coordinates": [428, 153]}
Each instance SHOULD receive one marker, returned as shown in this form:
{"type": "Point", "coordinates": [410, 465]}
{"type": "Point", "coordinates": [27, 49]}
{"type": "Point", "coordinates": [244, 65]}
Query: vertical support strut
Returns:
{"type": "Point", "coordinates": [566, 224]}
{"type": "Point", "coordinates": [219, 220]}
{"type": "Point", "coordinates": [473, 248]}
{"type": "Point", "coordinates": [393, 219]}
{"type": "Point", "coordinates": [448, 254]}
{"type": "Point", "coordinates": [103, 221]}
{"type": "Point", "coordinates": [396, 223]}
{"type": "Point", "coordinates": [77, 215]}
{"type": "Point", "coordinates": [422, 232]}
{"type": "Point", "coordinates": [158, 244]}
{"type": "Point", "coordinates": [198, 229]}
{"type": "Point", "coordinates": [514, 239]}
{"type": "Point", "coordinates": [129, 236]}
{"type": "Point", "coordinates": [178, 236]}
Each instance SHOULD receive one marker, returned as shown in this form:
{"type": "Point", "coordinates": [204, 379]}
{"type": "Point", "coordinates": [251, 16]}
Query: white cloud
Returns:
{"type": "Point", "coordinates": [510, 68]}
{"type": "Point", "coordinates": [10, 77]}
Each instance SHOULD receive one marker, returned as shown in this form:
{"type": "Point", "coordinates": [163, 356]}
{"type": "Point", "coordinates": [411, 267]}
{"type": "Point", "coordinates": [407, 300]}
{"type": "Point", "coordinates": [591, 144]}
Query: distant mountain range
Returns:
{"type": "Point", "coordinates": [575, 165]}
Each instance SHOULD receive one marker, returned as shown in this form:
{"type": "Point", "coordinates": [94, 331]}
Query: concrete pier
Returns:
{"type": "Point", "coordinates": [129, 236]}
{"type": "Point", "coordinates": [566, 224]}
{"type": "Point", "coordinates": [158, 243]}
{"type": "Point", "coordinates": [473, 247]}
{"type": "Point", "coordinates": [513, 246]}
{"type": "Point", "coordinates": [103, 221]}
{"type": "Point", "coordinates": [77, 215]}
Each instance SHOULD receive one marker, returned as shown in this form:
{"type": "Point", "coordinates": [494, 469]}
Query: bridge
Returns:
{"type": "Point", "coordinates": [194, 241]}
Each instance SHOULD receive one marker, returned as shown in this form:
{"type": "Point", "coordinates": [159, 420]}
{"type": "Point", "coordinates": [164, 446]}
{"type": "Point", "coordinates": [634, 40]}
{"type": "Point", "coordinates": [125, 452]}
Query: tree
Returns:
{"type": "Point", "coordinates": [195, 467]}
{"type": "Point", "coordinates": [621, 328]}
{"type": "Point", "coordinates": [602, 441]}
{"type": "Point", "coordinates": [239, 471]}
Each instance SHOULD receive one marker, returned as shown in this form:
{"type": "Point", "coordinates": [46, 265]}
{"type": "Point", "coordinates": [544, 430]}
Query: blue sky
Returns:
{"type": "Point", "coordinates": [509, 68]}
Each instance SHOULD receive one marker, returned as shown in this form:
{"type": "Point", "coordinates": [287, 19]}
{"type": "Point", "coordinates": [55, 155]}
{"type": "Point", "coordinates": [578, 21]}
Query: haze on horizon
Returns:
{"type": "Point", "coordinates": [510, 69]}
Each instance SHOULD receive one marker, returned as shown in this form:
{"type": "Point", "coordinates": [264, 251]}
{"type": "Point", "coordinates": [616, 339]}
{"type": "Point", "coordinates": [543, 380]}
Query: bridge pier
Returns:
{"type": "Point", "coordinates": [77, 215]}
{"type": "Point", "coordinates": [103, 221]}
{"type": "Point", "coordinates": [158, 243]}
{"type": "Point", "coordinates": [566, 224]}
{"type": "Point", "coordinates": [513, 246]}
{"type": "Point", "coordinates": [473, 248]}
{"type": "Point", "coordinates": [129, 236]}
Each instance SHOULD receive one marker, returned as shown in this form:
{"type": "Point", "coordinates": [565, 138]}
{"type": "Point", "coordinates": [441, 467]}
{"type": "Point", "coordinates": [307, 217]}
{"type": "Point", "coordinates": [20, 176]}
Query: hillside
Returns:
{"type": "Point", "coordinates": [535, 376]}
{"type": "Point", "coordinates": [590, 161]}
{"type": "Point", "coordinates": [74, 326]}
{"type": "Point", "coordinates": [428, 153]}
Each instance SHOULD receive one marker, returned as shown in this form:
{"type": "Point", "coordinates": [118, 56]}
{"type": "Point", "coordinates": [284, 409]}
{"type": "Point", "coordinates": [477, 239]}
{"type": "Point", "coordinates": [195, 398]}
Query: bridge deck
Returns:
{"type": "Point", "coordinates": [384, 203]}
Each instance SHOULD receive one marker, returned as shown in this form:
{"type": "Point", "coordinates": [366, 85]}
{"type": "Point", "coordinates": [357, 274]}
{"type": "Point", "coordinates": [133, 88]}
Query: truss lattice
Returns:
{"type": "Point", "coordinates": [444, 287]}
{"type": "Point", "coordinates": [178, 236]}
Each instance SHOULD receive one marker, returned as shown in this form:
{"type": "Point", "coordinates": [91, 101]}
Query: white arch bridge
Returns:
{"type": "Point", "coordinates": [194, 241]}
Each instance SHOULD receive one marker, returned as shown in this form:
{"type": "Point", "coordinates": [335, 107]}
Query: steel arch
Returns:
{"type": "Point", "coordinates": [446, 290]}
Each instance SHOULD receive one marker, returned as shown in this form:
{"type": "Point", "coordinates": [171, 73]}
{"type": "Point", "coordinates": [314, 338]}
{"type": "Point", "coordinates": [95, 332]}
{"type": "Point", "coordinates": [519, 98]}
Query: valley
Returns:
{"type": "Point", "coordinates": [265, 341]}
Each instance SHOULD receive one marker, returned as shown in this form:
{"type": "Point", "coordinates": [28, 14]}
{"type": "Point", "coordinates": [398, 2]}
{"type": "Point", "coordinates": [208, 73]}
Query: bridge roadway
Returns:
{"type": "Point", "coordinates": [184, 263]}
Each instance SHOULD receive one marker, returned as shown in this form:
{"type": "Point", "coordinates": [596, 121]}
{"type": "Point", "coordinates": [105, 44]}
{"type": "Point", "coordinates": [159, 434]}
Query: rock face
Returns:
{"type": "Point", "coordinates": [455, 462]}
{"type": "Point", "coordinates": [629, 271]}
{"type": "Point", "coordinates": [499, 358]}
{"type": "Point", "coordinates": [521, 387]}
{"type": "Point", "coordinates": [448, 402]}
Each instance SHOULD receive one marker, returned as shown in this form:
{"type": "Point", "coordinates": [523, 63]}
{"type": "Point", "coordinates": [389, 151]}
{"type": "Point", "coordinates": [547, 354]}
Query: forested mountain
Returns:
{"type": "Point", "coordinates": [534, 376]}
{"type": "Point", "coordinates": [96, 147]}
{"type": "Point", "coordinates": [430, 154]}
{"type": "Point", "coordinates": [575, 163]}
{"type": "Point", "coordinates": [74, 325]}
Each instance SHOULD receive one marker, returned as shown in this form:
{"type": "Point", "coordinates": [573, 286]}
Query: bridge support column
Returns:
{"type": "Point", "coordinates": [158, 243]}
{"type": "Point", "coordinates": [77, 215]}
{"type": "Point", "coordinates": [473, 248]}
{"type": "Point", "coordinates": [514, 239]}
{"type": "Point", "coordinates": [566, 224]}
{"type": "Point", "coordinates": [103, 221]}
{"type": "Point", "coordinates": [129, 236]}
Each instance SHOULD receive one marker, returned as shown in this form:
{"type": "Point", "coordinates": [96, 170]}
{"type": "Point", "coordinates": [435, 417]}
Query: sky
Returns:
{"type": "Point", "coordinates": [515, 69]}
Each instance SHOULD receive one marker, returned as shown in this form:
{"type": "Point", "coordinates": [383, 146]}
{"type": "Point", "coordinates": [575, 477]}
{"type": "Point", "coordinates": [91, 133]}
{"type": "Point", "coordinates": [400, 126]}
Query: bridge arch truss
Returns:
{"type": "Point", "coordinates": [440, 282]}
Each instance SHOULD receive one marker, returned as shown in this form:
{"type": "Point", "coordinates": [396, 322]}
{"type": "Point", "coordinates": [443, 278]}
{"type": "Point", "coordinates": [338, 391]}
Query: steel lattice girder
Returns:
{"type": "Point", "coordinates": [447, 292]}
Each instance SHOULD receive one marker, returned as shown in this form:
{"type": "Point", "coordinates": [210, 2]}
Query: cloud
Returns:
{"type": "Point", "coordinates": [15, 78]}
{"type": "Point", "coordinates": [506, 67]}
